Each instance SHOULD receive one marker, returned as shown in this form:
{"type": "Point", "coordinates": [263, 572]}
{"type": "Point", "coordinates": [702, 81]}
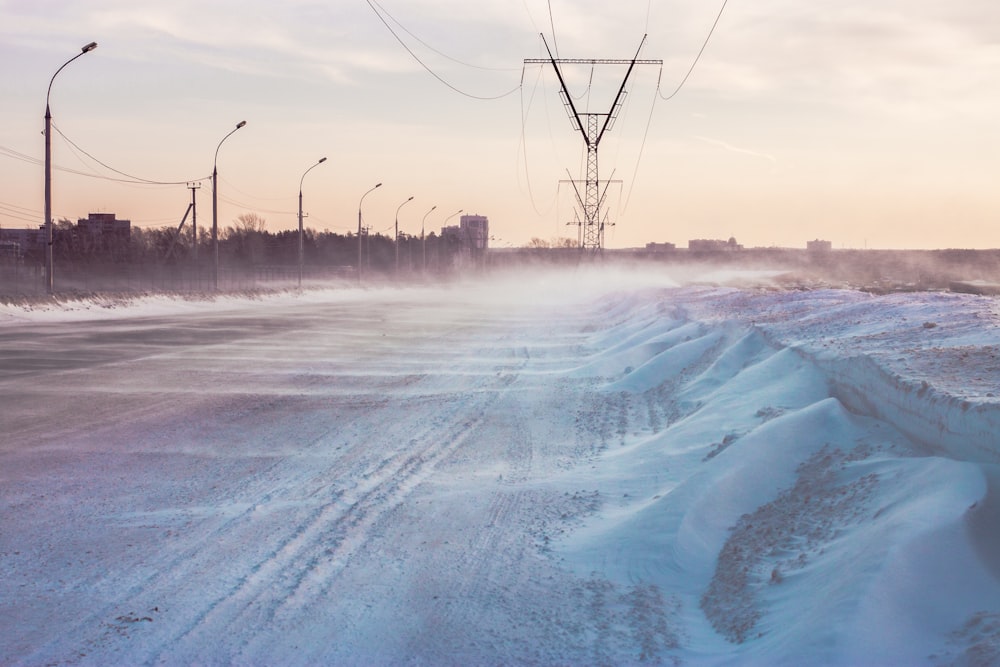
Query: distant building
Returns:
{"type": "Point", "coordinates": [9, 251]}
{"type": "Point", "coordinates": [103, 232]}
{"type": "Point", "coordinates": [476, 229]}
{"type": "Point", "coordinates": [468, 241]}
{"type": "Point", "coordinates": [660, 247]}
{"type": "Point", "coordinates": [105, 226]}
{"type": "Point", "coordinates": [20, 242]}
{"type": "Point", "coordinates": [713, 245]}
{"type": "Point", "coordinates": [819, 246]}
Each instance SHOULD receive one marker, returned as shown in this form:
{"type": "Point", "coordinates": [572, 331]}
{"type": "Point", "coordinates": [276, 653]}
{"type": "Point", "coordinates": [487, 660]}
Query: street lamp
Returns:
{"type": "Point", "coordinates": [215, 208]}
{"type": "Point", "coordinates": [377, 185]}
{"type": "Point", "coordinates": [443, 225]}
{"type": "Point", "coordinates": [423, 241]}
{"type": "Point", "coordinates": [397, 232]}
{"type": "Point", "coordinates": [48, 167]}
{"type": "Point", "coordinates": [301, 250]}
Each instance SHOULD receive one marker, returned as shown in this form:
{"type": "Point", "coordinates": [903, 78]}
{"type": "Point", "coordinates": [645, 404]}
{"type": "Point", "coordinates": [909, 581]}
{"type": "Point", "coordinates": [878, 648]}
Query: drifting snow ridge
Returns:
{"type": "Point", "coordinates": [782, 536]}
{"type": "Point", "coordinates": [474, 475]}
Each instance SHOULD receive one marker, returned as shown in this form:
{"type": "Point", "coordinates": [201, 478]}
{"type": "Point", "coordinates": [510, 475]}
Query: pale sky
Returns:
{"type": "Point", "coordinates": [868, 123]}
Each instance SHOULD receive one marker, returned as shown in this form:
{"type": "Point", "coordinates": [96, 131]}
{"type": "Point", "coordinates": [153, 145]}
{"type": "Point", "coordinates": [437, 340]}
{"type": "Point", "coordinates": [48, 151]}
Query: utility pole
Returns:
{"type": "Point", "coordinates": [592, 127]}
{"type": "Point", "coordinates": [194, 219]}
{"type": "Point", "coordinates": [360, 202]}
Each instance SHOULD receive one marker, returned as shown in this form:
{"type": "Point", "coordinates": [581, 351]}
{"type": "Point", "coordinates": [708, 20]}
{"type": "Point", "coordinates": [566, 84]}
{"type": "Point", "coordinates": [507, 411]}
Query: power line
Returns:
{"type": "Point", "coordinates": [17, 155]}
{"type": "Point", "coordinates": [135, 179]}
{"type": "Point", "coordinates": [19, 212]}
{"type": "Point", "coordinates": [696, 58]}
{"type": "Point", "coordinates": [231, 185]}
{"type": "Point", "coordinates": [552, 24]}
{"type": "Point", "coordinates": [590, 85]}
{"type": "Point", "coordinates": [440, 53]}
{"type": "Point", "coordinates": [20, 209]}
{"type": "Point", "coordinates": [642, 148]}
{"type": "Point", "coordinates": [254, 208]}
{"type": "Point", "coordinates": [9, 152]}
{"type": "Point", "coordinates": [424, 65]}
{"type": "Point", "coordinates": [523, 148]}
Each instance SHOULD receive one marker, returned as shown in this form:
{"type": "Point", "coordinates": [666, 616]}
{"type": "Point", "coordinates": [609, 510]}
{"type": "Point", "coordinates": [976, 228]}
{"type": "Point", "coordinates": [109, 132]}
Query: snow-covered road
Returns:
{"type": "Point", "coordinates": [574, 468]}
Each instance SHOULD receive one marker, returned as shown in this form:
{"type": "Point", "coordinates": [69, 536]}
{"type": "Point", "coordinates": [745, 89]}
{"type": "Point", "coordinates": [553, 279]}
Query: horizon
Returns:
{"type": "Point", "coordinates": [868, 127]}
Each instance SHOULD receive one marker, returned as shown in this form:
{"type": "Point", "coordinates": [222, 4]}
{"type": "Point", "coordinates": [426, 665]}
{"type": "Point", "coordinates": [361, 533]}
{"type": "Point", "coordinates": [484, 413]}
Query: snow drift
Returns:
{"type": "Point", "coordinates": [583, 468]}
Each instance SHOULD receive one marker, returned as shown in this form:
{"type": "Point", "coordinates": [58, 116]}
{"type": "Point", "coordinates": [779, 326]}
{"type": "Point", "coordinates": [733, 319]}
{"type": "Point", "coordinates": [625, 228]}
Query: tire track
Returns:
{"type": "Point", "coordinates": [305, 565]}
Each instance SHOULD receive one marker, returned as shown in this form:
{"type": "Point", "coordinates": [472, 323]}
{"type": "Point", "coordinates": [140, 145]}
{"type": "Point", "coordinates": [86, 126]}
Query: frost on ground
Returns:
{"type": "Point", "coordinates": [587, 468]}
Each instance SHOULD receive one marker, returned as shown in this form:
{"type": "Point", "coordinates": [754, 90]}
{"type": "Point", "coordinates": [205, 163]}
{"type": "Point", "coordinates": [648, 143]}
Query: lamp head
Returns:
{"type": "Point", "coordinates": [89, 47]}
{"type": "Point", "coordinates": [240, 124]}
{"type": "Point", "coordinates": [378, 185]}
{"type": "Point", "coordinates": [321, 160]}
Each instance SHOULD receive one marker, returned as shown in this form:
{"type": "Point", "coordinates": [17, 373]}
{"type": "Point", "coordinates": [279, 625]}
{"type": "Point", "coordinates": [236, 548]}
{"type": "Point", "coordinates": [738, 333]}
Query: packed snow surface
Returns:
{"type": "Point", "coordinates": [603, 467]}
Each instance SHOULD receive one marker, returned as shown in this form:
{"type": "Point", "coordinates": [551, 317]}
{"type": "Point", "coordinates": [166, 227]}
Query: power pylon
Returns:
{"type": "Point", "coordinates": [592, 127]}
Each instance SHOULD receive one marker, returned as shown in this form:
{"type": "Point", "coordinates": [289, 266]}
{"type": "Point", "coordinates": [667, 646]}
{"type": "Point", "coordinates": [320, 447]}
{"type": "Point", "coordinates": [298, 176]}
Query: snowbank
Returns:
{"type": "Point", "coordinates": [593, 468]}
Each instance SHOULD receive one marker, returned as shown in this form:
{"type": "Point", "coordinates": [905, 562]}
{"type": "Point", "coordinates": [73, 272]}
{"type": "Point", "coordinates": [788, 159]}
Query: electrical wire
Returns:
{"type": "Point", "coordinates": [230, 185]}
{"type": "Point", "coordinates": [19, 212]}
{"type": "Point", "coordinates": [21, 218]}
{"type": "Point", "coordinates": [552, 24]}
{"type": "Point", "coordinates": [642, 148]}
{"type": "Point", "coordinates": [523, 146]}
{"type": "Point", "coordinates": [696, 58]}
{"type": "Point", "coordinates": [255, 208]}
{"type": "Point", "coordinates": [20, 209]}
{"type": "Point", "coordinates": [10, 152]}
{"type": "Point", "coordinates": [440, 53]}
{"type": "Point", "coordinates": [590, 85]}
{"type": "Point", "coordinates": [426, 67]}
{"type": "Point", "coordinates": [134, 179]}
{"type": "Point", "coordinates": [527, 10]}
{"type": "Point", "coordinates": [154, 222]}
{"type": "Point", "coordinates": [79, 158]}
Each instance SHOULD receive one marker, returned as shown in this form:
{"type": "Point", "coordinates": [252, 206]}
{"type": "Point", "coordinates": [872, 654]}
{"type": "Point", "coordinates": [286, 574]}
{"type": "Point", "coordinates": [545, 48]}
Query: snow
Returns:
{"type": "Point", "coordinates": [598, 466]}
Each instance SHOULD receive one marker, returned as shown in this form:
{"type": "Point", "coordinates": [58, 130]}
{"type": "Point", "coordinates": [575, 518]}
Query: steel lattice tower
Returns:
{"type": "Point", "coordinates": [592, 127]}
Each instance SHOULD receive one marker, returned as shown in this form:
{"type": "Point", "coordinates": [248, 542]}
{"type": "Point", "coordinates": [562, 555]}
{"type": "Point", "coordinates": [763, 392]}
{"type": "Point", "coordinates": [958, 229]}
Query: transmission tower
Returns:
{"type": "Point", "coordinates": [592, 127]}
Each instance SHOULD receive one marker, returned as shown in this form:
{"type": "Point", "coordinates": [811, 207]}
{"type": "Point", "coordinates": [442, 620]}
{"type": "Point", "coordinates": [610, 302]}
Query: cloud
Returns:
{"type": "Point", "coordinates": [885, 58]}
{"type": "Point", "coordinates": [735, 149]}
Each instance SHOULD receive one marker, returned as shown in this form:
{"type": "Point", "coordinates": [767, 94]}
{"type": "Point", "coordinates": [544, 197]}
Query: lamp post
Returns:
{"type": "Point", "coordinates": [215, 208]}
{"type": "Point", "coordinates": [301, 245]}
{"type": "Point", "coordinates": [423, 241]}
{"type": "Point", "coordinates": [377, 185]}
{"type": "Point", "coordinates": [397, 232]}
{"type": "Point", "coordinates": [48, 169]}
{"type": "Point", "coordinates": [443, 225]}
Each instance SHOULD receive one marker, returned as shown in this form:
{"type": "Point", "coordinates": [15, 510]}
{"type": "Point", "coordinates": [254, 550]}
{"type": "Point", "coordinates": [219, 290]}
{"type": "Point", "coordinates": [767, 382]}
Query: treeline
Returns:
{"type": "Point", "coordinates": [246, 244]}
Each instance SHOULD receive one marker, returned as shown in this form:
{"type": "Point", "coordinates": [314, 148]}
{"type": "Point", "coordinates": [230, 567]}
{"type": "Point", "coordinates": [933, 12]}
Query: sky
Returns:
{"type": "Point", "coordinates": [868, 124]}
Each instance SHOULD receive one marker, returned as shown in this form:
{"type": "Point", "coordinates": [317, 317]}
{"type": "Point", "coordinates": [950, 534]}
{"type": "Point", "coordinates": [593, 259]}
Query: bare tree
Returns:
{"type": "Point", "coordinates": [250, 222]}
{"type": "Point", "coordinates": [246, 236]}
